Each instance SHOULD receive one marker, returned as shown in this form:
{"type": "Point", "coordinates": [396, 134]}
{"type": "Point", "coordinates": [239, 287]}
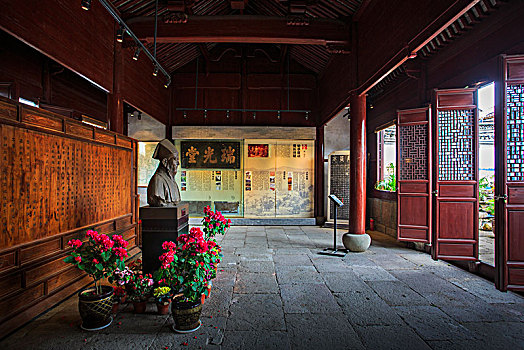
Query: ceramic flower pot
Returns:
{"type": "Point", "coordinates": [163, 308]}
{"type": "Point", "coordinates": [140, 306]}
{"type": "Point", "coordinates": [186, 316]}
{"type": "Point", "coordinates": [95, 309]}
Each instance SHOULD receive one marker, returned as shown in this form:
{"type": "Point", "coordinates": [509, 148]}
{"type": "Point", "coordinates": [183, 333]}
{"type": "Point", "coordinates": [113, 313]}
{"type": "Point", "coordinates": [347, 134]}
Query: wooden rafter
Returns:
{"type": "Point", "coordinates": [244, 29]}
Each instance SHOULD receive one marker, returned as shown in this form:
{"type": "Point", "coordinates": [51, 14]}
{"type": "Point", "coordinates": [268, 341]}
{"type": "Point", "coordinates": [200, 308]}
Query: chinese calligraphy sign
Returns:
{"type": "Point", "coordinates": [210, 154]}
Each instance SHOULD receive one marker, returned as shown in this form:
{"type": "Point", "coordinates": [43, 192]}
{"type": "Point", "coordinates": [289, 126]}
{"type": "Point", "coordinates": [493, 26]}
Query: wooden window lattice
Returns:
{"type": "Point", "coordinates": [515, 132]}
{"type": "Point", "coordinates": [413, 152]}
{"type": "Point", "coordinates": [456, 145]}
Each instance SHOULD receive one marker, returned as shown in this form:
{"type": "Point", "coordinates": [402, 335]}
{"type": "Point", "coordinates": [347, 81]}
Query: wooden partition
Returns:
{"type": "Point", "coordinates": [58, 178]}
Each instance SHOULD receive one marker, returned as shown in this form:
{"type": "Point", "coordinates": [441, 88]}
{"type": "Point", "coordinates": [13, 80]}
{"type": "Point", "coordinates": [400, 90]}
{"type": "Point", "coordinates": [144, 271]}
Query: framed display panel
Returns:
{"type": "Point", "coordinates": [456, 207]}
{"type": "Point", "coordinates": [146, 164]}
{"type": "Point", "coordinates": [220, 188]}
{"type": "Point", "coordinates": [509, 175]}
{"type": "Point", "coordinates": [295, 191]}
{"type": "Point", "coordinates": [338, 184]}
{"type": "Point", "coordinates": [414, 175]}
{"type": "Point", "coordinates": [260, 179]}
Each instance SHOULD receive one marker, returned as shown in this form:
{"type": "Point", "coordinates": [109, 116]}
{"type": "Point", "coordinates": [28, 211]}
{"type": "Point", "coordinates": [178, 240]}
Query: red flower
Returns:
{"type": "Point", "coordinates": [78, 258]}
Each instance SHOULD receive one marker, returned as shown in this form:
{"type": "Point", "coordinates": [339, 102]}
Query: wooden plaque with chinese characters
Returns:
{"type": "Point", "coordinates": [58, 177]}
{"type": "Point", "coordinates": [210, 155]}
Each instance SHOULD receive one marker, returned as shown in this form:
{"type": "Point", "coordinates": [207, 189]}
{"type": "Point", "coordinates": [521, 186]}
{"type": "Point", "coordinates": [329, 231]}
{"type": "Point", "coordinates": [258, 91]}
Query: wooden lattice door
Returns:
{"type": "Point", "coordinates": [414, 175]}
{"type": "Point", "coordinates": [509, 176]}
{"type": "Point", "coordinates": [455, 228]}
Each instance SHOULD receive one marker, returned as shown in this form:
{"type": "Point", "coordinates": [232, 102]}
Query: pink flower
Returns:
{"type": "Point", "coordinates": [78, 258]}
{"type": "Point", "coordinates": [75, 243]}
{"type": "Point", "coordinates": [95, 261]}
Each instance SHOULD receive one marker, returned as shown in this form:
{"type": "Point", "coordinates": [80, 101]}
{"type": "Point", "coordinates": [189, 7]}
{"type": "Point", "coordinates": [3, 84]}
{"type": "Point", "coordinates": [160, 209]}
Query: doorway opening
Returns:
{"type": "Point", "coordinates": [486, 108]}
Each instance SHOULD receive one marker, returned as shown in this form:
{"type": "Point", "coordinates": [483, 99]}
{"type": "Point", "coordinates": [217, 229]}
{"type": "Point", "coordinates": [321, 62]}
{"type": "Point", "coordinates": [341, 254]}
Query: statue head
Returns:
{"type": "Point", "coordinates": [167, 154]}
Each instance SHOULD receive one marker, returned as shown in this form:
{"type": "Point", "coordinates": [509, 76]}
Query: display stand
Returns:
{"type": "Point", "coordinates": [160, 224]}
{"type": "Point", "coordinates": [334, 251]}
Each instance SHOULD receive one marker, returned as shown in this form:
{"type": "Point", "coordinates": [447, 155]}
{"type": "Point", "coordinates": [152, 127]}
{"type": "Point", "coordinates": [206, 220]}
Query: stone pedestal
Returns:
{"type": "Point", "coordinates": [160, 224]}
{"type": "Point", "coordinates": [356, 243]}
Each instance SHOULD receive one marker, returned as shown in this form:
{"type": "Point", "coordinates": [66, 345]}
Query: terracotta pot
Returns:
{"type": "Point", "coordinates": [116, 306]}
{"type": "Point", "coordinates": [163, 309]}
{"type": "Point", "coordinates": [95, 309]}
{"type": "Point", "coordinates": [140, 306]}
{"type": "Point", "coordinates": [186, 316]}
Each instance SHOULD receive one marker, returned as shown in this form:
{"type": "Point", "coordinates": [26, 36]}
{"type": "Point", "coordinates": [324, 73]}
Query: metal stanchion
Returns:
{"type": "Point", "coordinates": [334, 251]}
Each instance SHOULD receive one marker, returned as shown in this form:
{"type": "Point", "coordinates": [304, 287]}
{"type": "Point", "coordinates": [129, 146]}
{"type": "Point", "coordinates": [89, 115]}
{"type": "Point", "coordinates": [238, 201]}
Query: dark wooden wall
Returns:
{"type": "Point", "coordinates": [60, 29]}
{"type": "Point", "coordinates": [84, 43]}
{"type": "Point", "coordinates": [58, 177]}
{"type": "Point", "coordinates": [243, 79]}
{"type": "Point", "coordinates": [470, 59]}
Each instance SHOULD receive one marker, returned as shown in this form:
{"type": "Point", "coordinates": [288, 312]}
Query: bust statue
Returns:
{"type": "Point", "coordinates": [162, 190]}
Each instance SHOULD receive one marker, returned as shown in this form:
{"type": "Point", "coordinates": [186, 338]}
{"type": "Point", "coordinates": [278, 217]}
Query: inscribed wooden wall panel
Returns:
{"type": "Point", "coordinates": [55, 183]}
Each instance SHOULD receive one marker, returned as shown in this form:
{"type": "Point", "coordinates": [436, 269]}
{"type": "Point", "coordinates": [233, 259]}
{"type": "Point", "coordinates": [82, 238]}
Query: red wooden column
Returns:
{"type": "Point", "coordinates": [115, 104]}
{"type": "Point", "coordinates": [357, 171]}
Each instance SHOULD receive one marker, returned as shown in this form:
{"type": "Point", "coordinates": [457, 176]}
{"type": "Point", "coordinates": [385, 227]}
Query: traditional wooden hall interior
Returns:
{"type": "Point", "coordinates": [85, 92]}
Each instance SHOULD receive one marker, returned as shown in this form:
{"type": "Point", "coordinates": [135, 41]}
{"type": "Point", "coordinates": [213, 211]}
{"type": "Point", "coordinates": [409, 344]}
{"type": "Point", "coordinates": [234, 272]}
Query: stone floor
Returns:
{"type": "Point", "coordinates": [487, 247]}
{"type": "Point", "coordinates": [274, 292]}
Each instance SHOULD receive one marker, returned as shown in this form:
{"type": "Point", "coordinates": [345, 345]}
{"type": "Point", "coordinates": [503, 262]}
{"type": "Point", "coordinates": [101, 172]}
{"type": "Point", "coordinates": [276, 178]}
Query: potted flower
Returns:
{"type": "Point", "coordinates": [163, 299]}
{"type": "Point", "coordinates": [99, 256]}
{"type": "Point", "coordinates": [214, 223]}
{"type": "Point", "coordinates": [185, 269]}
{"type": "Point", "coordinates": [138, 290]}
{"type": "Point", "coordinates": [119, 297]}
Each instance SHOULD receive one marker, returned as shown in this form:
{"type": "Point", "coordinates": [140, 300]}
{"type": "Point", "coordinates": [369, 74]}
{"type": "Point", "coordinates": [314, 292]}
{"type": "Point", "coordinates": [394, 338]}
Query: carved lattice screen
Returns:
{"type": "Point", "coordinates": [413, 152]}
{"type": "Point", "coordinates": [456, 153]}
{"type": "Point", "coordinates": [515, 132]}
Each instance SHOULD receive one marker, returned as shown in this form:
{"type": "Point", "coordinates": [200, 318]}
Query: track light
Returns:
{"type": "Point", "coordinates": [254, 115]}
{"type": "Point", "coordinates": [155, 71]}
{"type": "Point", "coordinates": [205, 113]}
{"type": "Point", "coordinates": [137, 52]}
{"type": "Point", "coordinates": [278, 115]}
{"type": "Point", "coordinates": [120, 34]}
{"type": "Point", "coordinates": [166, 85]}
{"type": "Point", "coordinates": [227, 114]}
{"type": "Point", "coordinates": [139, 115]}
{"type": "Point", "coordinates": [86, 4]}
{"type": "Point", "coordinates": [185, 114]}
{"type": "Point", "coordinates": [307, 115]}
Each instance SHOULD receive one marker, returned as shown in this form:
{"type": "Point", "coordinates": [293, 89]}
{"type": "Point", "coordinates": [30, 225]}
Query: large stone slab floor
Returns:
{"type": "Point", "coordinates": [273, 291]}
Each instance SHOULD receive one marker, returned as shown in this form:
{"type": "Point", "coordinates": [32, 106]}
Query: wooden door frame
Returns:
{"type": "Point", "coordinates": [415, 190]}
{"type": "Point", "coordinates": [435, 253]}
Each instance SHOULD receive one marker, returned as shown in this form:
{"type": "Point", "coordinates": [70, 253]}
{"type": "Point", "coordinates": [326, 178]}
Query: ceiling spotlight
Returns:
{"type": "Point", "coordinates": [254, 115]}
{"type": "Point", "coordinates": [120, 34]}
{"type": "Point", "coordinates": [155, 71]}
{"type": "Point", "coordinates": [185, 114]}
{"type": "Point", "coordinates": [278, 115]}
{"type": "Point", "coordinates": [166, 85]}
{"type": "Point", "coordinates": [137, 52]}
{"type": "Point", "coordinates": [205, 113]}
{"type": "Point", "coordinates": [139, 115]}
{"type": "Point", "coordinates": [86, 4]}
{"type": "Point", "coordinates": [307, 115]}
{"type": "Point", "coordinates": [227, 114]}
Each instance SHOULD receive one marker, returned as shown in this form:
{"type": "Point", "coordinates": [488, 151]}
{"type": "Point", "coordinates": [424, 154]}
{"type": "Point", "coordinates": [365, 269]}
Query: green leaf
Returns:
{"type": "Point", "coordinates": [106, 255]}
{"type": "Point", "coordinates": [69, 260]}
{"type": "Point", "coordinates": [99, 266]}
{"type": "Point", "coordinates": [180, 279]}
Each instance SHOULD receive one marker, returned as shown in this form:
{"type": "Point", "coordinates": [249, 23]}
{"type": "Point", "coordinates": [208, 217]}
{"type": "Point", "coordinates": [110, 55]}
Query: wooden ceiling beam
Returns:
{"type": "Point", "coordinates": [243, 29]}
